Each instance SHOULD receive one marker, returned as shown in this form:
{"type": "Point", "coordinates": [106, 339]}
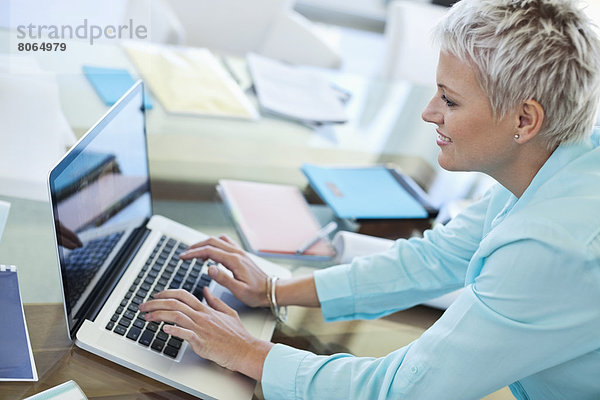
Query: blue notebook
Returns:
{"type": "Point", "coordinates": [374, 192]}
{"type": "Point", "coordinates": [112, 83]}
{"type": "Point", "coordinates": [16, 357]}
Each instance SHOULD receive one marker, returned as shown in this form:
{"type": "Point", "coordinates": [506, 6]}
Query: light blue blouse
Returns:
{"type": "Point", "coordinates": [529, 316]}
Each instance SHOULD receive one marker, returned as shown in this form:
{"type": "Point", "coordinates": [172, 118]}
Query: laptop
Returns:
{"type": "Point", "coordinates": [115, 254]}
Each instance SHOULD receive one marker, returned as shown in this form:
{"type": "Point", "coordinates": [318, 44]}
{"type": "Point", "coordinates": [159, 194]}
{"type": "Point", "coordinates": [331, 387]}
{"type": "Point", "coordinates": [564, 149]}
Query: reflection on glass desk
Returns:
{"type": "Point", "coordinates": [27, 242]}
{"type": "Point", "coordinates": [385, 126]}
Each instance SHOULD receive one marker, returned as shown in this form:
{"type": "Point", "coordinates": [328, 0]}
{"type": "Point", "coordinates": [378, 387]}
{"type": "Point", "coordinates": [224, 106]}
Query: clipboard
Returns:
{"type": "Point", "coordinates": [369, 193]}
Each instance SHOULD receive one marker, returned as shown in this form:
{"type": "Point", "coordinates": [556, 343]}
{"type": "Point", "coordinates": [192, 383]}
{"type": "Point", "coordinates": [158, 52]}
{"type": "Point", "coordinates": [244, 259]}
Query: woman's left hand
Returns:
{"type": "Point", "coordinates": [214, 331]}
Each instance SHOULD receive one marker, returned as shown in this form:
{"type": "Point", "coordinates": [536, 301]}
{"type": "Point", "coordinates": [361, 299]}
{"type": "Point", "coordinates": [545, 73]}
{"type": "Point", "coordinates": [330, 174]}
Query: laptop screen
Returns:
{"type": "Point", "coordinates": [100, 194]}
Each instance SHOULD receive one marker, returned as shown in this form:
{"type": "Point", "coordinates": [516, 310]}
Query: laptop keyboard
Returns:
{"type": "Point", "coordinates": [163, 270]}
{"type": "Point", "coordinates": [83, 263]}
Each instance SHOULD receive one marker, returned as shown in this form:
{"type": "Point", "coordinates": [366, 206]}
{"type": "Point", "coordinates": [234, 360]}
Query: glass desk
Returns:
{"type": "Point", "coordinates": [27, 242]}
{"type": "Point", "coordinates": [384, 126]}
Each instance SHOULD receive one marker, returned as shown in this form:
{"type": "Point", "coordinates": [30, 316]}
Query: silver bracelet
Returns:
{"type": "Point", "coordinates": [280, 313]}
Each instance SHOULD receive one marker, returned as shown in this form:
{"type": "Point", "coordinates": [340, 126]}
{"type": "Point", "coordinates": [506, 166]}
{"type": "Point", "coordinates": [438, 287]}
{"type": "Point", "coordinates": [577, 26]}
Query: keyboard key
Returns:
{"type": "Point", "coordinates": [171, 351]}
{"type": "Point", "coordinates": [110, 325]}
{"type": "Point", "coordinates": [132, 307]}
{"type": "Point", "coordinates": [129, 314]}
{"type": "Point", "coordinates": [162, 335]}
{"type": "Point", "coordinates": [115, 318]}
{"type": "Point", "coordinates": [175, 342]}
{"type": "Point", "coordinates": [134, 333]}
{"type": "Point", "coordinates": [158, 344]}
{"type": "Point", "coordinates": [153, 326]}
{"type": "Point", "coordinates": [137, 300]}
{"type": "Point", "coordinates": [120, 330]}
{"type": "Point", "coordinates": [139, 323]}
{"type": "Point", "coordinates": [146, 338]}
{"type": "Point", "coordinates": [206, 278]}
{"type": "Point", "coordinates": [199, 293]}
{"type": "Point", "coordinates": [125, 322]}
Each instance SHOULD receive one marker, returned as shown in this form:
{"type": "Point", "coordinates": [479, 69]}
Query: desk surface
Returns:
{"type": "Point", "coordinates": [58, 360]}
{"type": "Point", "coordinates": [385, 126]}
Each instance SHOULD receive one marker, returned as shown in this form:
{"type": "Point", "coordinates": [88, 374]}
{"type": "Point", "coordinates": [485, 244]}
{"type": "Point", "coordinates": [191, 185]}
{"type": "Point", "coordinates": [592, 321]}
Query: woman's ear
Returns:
{"type": "Point", "coordinates": [531, 117]}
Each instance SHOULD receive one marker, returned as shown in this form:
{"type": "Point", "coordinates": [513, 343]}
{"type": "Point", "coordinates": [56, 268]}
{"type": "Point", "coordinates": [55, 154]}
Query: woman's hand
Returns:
{"type": "Point", "coordinates": [248, 283]}
{"type": "Point", "coordinates": [214, 331]}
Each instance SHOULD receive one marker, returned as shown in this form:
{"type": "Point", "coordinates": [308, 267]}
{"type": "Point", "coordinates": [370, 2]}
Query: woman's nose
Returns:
{"type": "Point", "coordinates": [431, 113]}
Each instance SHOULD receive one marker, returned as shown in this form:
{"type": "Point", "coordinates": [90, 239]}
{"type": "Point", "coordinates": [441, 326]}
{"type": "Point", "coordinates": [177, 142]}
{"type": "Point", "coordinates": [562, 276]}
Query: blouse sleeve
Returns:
{"type": "Point", "coordinates": [532, 307]}
{"type": "Point", "coordinates": [411, 272]}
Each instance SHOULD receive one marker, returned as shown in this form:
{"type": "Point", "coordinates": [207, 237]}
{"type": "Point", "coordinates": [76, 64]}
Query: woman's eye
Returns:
{"type": "Point", "coordinates": [448, 102]}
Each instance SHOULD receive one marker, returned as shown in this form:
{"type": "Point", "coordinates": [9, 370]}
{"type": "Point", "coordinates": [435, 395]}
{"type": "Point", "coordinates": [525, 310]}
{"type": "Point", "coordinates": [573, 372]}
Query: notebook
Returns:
{"type": "Point", "coordinates": [115, 254]}
{"type": "Point", "coordinates": [273, 220]}
{"type": "Point", "coordinates": [112, 83]}
{"type": "Point", "coordinates": [16, 356]}
{"type": "Point", "coordinates": [374, 192]}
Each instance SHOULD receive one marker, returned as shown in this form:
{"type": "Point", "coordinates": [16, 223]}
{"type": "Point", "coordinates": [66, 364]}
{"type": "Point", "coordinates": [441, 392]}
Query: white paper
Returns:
{"type": "Point", "coordinates": [350, 244]}
{"type": "Point", "coordinates": [65, 391]}
{"type": "Point", "coordinates": [4, 208]}
{"type": "Point", "coordinates": [34, 133]}
{"type": "Point", "coordinates": [295, 92]}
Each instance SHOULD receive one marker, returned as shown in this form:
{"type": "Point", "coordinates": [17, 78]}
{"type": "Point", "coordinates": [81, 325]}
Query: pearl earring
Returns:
{"type": "Point", "coordinates": [517, 136]}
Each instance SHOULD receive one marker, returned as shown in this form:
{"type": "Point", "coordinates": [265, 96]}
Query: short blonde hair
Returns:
{"type": "Point", "coordinates": [544, 50]}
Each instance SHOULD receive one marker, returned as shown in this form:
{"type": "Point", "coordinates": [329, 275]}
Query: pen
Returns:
{"type": "Point", "coordinates": [324, 231]}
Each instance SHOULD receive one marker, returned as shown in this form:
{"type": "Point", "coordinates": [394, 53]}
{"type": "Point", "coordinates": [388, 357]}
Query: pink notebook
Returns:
{"type": "Point", "coordinates": [273, 219]}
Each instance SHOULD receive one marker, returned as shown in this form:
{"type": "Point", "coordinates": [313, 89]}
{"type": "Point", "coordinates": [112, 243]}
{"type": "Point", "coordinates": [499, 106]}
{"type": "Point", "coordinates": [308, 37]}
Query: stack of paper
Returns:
{"type": "Point", "coordinates": [190, 81]}
{"type": "Point", "coordinates": [295, 92]}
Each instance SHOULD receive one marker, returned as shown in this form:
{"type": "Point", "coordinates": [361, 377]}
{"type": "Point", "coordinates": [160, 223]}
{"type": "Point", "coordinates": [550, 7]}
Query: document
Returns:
{"type": "Point", "coordinates": [295, 92]}
{"type": "Point", "coordinates": [4, 209]}
{"type": "Point", "coordinates": [274, 220]}
{"type": "Point", "coordinates": [65, 391]}
{"type": "Point", "coordinates": [190, 81]}
{"type": "Point", "coordinates": [16, 356]}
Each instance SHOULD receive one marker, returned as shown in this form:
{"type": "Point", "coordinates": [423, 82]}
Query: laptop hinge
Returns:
{"type": "Point", "coordinates": [102, 292]}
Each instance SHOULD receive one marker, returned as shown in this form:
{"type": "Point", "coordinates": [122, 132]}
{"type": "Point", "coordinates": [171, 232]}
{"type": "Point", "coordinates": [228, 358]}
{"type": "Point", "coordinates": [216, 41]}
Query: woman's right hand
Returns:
{"type": "Point", "coordinates": [248, 283]}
